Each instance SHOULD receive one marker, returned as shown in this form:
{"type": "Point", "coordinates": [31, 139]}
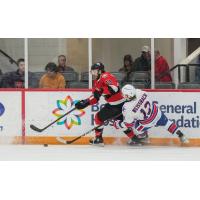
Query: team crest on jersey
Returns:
{"type": "Point", "coordinates": [109, 82]}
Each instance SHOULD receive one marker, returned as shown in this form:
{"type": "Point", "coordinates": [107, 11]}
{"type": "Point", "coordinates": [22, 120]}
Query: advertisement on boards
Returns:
{"type": "Point", "coordinates": [45, 107]}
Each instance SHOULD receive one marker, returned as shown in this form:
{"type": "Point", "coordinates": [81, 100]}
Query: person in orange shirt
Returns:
{"type": "Point", "coordinates": [52, 79]}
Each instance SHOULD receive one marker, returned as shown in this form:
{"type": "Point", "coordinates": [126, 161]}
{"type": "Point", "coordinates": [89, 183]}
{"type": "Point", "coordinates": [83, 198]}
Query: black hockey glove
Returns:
{"type": "Point", "coordinates": [97, 95]}
{"type": "Point", "coordinates": [82, 104]}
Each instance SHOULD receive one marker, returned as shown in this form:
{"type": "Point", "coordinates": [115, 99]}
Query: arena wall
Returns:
{"type": "Point", "coordinates": [20, 108]}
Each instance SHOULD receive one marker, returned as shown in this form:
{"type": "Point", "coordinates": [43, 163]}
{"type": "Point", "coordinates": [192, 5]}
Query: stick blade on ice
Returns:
{"type": "Point", "coordinates": [61, 140]}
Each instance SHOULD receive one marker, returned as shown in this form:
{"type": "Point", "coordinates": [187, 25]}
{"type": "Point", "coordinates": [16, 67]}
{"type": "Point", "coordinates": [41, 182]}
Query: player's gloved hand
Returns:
{"type": "Point", "coordinates": [117, 124]}
{"type": "Point", "coordinates": [82, 104]}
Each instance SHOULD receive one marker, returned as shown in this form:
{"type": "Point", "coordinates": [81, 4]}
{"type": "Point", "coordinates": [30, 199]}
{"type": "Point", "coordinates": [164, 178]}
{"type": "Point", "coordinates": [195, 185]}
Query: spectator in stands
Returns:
{"type": "Point", "coordinates": [52, 79]}
{"type": "Point", "coordinates": [62, 66]}
{"type": "Point", "coordinates": [143, 63]}
{"type": "Point", "coordinates": [14, 79]}
{"type": "Point", "coordinates": [161, 67]}
{"type": "Point", "coordinates": [127, 67]}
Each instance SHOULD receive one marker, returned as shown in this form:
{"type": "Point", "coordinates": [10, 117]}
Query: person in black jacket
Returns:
{"type": "Point", "coordinates": [143, 63]}
{"type": "Point", "coordinates": [127, 67]}
{"type": "Point", "coordinates": [14, 79]}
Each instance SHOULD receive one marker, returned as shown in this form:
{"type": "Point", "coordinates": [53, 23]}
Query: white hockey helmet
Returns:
{"type": "Point", "coordinates": [128, 91]}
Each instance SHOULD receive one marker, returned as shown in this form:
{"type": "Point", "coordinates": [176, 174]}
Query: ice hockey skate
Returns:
{"type": "Point", "coordinates": [144, 138]}
{"type": "Point", "coordinates": [97, 141]}
{"type": "Point", "coordinates": [135, 141]}
{"type": "Point", "coordinates": [182, 137]}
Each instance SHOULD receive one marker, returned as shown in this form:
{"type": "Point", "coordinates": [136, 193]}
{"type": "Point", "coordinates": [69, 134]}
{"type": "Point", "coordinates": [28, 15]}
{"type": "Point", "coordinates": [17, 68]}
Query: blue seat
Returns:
{"type": "Point", "coordinates": [78, 84]}
{"type": "Point", "coordinates": [164, 85]}
{"type": "Point", "coordinates": [140, 76]}
{"type": "Point", "coordinates": [189, 85]}
{"type": "Point", "coordinates": [137, 85]}
{"type": "Point", "coordinates": [70, 76]}
{"type": "Point", "coordinates": [119, 76]}
{"type": "Point", "coordinates": [34, 79]}
{"type": "Point", "coordinates": [84, 76]}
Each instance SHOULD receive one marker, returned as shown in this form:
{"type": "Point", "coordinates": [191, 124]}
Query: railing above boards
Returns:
{"type": "Point", "coordinates": [187, 74]}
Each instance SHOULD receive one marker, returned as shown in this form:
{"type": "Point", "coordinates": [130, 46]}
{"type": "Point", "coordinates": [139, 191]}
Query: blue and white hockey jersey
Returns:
{"type": "Point", "coordinates": [141, 113]}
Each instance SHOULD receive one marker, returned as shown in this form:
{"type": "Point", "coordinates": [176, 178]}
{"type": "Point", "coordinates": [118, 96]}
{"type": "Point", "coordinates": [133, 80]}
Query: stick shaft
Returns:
{"type": "Point", "coordinates": [77, 138]}
{"type": "Point", "coordinates": [84, 134]}
{"type": "Point", "coordinates": [40, 130]}
{"type": "Point", "coordinates": [59, 118]}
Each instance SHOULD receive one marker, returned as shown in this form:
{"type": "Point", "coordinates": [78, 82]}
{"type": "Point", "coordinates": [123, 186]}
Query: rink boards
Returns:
{"type": "Point", "coordinates": [40, 107]}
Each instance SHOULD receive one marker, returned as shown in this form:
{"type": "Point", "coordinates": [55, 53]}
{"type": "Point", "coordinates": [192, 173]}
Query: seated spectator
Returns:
{"type": "Point", "coordinates": [52, 79]}
{"type": "Point", "coordinates": [14, 79]}
{"type": "Point", "coordinates": [161, 66]}
{"type": "Point", "coordinates": [62, 66]}
{"type": "Point", "coordinates": [143, 63]}
{"type": "Point", "coordinates": [127, 68]}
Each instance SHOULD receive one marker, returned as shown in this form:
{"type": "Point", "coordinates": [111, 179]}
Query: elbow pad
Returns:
{"type": "Point", "coordinates": [113, 89]}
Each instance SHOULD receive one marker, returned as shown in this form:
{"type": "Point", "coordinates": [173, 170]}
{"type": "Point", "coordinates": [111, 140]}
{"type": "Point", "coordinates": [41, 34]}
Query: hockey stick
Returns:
{"type": "Point", "coordinates": [62, 140]}
{"type": "Point", "coordinates": [33, 127]}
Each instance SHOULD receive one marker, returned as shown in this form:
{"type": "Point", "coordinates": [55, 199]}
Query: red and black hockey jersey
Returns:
{"type": "Point", "coordinates": [107, 86]}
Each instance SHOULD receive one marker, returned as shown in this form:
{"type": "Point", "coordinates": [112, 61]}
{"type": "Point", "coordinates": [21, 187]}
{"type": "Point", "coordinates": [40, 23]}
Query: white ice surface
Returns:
{"type": "Point", "coordinates": [108, 152]}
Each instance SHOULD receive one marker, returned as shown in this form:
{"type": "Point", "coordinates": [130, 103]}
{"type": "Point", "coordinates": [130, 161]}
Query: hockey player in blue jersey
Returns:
{"type": "Point", "coordinates": [141, 113]}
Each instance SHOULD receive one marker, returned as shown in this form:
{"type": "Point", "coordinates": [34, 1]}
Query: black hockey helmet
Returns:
{"type": "Point", "coordinates": [98, 66]}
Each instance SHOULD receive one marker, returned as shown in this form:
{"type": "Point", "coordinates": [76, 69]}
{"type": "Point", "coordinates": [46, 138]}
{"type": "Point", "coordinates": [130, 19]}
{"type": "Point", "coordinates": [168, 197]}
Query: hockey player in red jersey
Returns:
{"type": "Point", "coordinates": [105, 85]}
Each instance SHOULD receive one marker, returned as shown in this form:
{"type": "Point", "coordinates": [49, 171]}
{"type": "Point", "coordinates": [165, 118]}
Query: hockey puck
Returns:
{"type": "Point", "coordinates": [45, 145]}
